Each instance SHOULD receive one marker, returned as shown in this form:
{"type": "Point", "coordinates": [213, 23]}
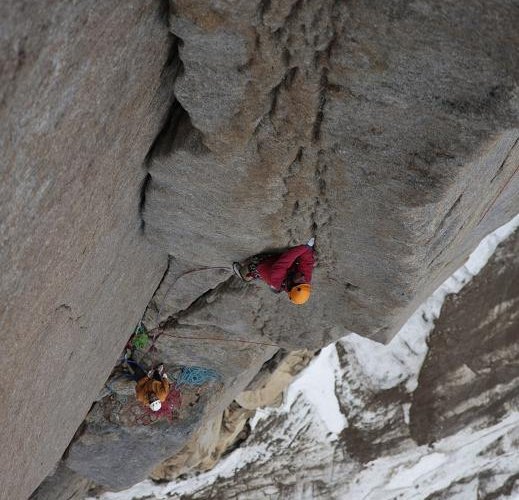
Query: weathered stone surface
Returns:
{"type": "Point", "coordinates": [122, 440]}
{"type": "Point", "coordinates": [120, 443]}
{"type": "Point", "coordinates": [267, 387]}
{"type": "Point", "coordinates": [459, 439]}
{"type": "Point", "coordinates": [206, 446]}
{"type": "Point", "coordinates": [181, 286]}
{"type": "Point", "coordinates": [83, 93]}
{"type": "Point", "coordinates": [388, 130]}
{"type": "Point", "coordinates": [112, 434]}
{"type": "Point", "coordinates": [356, 123]}
{"type": "Point", "coordinates": [63, 484]}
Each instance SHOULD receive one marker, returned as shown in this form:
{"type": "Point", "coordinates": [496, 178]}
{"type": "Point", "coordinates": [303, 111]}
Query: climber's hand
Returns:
{"type": "Point", "coordinates": [150, 374]}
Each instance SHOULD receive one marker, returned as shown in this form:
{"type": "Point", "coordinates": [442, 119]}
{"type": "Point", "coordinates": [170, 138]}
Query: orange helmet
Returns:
{"type": "Point", "coordinates": [299, 294]}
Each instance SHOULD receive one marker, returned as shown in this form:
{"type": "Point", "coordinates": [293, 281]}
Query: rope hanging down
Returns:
{"type": "Point", "coordinates": [197, 374]}
{"type": "Point", "coordinates": [215, 339]}
{"type": "Point", "coordinates": [157, 332]}
{"type": "Point", "coordinates": [198, 269]}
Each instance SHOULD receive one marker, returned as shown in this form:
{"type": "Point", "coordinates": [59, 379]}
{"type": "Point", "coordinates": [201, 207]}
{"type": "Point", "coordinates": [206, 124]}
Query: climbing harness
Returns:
{"type": "Point", "coordinates": [252, 265]}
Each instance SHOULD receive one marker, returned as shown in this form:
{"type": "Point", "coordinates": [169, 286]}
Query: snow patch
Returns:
{"type": "Point", "coordinates": [406, 476]}
{"type": "Point", "coordinates": [317, 385]}
{"type": "Point", "coordinates": [386, 366]}
{"type": "Point", "coordinates": [406, 408]}
{"type": "Point", "coordinates": [460, 455]}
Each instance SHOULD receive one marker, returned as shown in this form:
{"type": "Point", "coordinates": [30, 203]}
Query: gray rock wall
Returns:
{"type": "Point", "coordinates": [387, 129]}
{"type": "Point", "coordinates": [83, 95]}
{"type": "Point", "coordinates": [63, 484]}
{"type": "Point", "coordinates": [117, 448]}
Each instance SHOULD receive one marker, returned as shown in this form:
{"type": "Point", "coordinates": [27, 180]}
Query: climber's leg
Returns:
{"type": "Point", "coordinates": [242, 270]}
{"type": "Point", "coordinates": [136, 370]}
{"type": "Point", "coordinates": [247, 270]}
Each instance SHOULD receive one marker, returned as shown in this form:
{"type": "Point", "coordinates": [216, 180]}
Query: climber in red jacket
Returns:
{"type": "Point", "coordinates": [290, 271]}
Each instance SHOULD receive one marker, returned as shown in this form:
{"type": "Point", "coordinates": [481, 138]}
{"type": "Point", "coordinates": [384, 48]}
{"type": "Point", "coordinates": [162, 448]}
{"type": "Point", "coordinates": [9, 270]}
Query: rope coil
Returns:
{"type": "Point", "coordinates": [196, 375]}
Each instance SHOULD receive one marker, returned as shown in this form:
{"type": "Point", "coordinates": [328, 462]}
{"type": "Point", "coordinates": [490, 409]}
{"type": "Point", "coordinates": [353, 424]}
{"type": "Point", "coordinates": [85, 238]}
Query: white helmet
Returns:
{"type": "Point", "coordinates": [155, 405]}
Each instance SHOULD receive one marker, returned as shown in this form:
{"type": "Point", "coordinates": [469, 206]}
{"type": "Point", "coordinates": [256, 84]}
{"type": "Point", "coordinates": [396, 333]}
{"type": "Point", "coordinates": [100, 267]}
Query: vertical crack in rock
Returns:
{"type": "Point", "coordinates": [168, 76]}
{"type": "Point", "coordinates": [263, 8]}
{"type": "Point", "coordinates": [157, 301]}
{"type": "Point", "coordinates": [87, 88]}
{"type": "Point", "coordinates": [164, 140]}
{"type": "Point", "coordinates": [171, 70]}
{"type": "Point", "coordinates": [323, 83]}
{"type": "Point", "coordinates": [142, 200]}
{"type": "Point", "coordinates": [505, 159]}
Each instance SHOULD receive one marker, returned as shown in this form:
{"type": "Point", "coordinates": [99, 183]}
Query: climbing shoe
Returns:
{"type": "Point", "coordinates": [238, 268]}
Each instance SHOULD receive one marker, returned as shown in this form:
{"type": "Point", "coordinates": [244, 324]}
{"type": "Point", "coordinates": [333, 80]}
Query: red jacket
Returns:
{"type": "Point", "coordinates": [275, 270]}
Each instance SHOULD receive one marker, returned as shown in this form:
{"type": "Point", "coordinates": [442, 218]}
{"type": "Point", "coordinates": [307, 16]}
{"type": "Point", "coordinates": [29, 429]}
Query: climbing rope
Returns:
{"type": "Point", "coordinates": [214, 339]}
{"type": "Point", "coordinates": [195, 375]}
{"type": "Point", "coordinates": [196, 270]}
{"type": "Point", "coordinates": [153, 335]}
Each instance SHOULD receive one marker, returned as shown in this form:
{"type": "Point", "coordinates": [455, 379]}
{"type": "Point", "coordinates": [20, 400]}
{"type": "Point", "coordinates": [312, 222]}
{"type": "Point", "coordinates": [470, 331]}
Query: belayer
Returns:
{"type": "Point", "coordinates": [152, 388]}
{"type": "Point", "coordinates": [290, 271]}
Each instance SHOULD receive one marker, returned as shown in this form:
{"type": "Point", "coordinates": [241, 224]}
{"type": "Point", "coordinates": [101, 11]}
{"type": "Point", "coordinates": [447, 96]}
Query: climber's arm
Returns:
{"type": "Point", "coordinates": [306, 264]}
{"type": "Point", "coordinates": [283, 263]}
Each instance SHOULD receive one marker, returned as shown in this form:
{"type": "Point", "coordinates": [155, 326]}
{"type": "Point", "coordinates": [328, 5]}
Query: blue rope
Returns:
{"type": "Point", "coordinates": [196, 375]}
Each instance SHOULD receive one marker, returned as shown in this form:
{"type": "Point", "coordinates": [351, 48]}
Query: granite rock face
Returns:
{"type": "Point", "coordinates": [83, 93]}
{"type": "Point", "coordinates": [140, 162]}
{"type": "Point", "coordinates": [389, 130]}
{"type": "Point", "coordinates": [229, 429]}
{"type": "Point", "coordinates": [361, 124]}
{"type": "Point", "coordinates": [121, 441]}
{"type": "Point", "coordinates": [64, 484]}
